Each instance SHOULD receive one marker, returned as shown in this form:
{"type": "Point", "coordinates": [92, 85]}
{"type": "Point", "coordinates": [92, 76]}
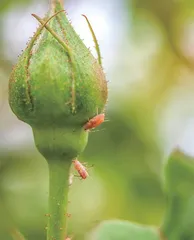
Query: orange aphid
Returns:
{"type": "Point", "coordinates": [94, 122]}
{"type": "Point", "coordinates": [80, 169]}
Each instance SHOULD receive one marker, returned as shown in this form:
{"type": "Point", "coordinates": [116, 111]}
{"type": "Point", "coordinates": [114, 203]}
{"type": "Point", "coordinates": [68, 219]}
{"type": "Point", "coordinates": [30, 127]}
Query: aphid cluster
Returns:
{"type": "Point", "coordinates": [79, 167]}
{"type": "Point", "coordinates": [92, 123]}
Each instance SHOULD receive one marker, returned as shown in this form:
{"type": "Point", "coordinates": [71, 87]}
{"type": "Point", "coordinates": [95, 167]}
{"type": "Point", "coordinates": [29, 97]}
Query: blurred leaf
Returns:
{"type": "Point", "coordinates": [5, 4]}
{"type": "Point", "coordinates": [164, 15]}
{"type": "Point", "coordinates": [179, 221]}
{"type": "Point", "coordinates": [162, 9]}
{"type": "Point", "coordinates": [123, 230]}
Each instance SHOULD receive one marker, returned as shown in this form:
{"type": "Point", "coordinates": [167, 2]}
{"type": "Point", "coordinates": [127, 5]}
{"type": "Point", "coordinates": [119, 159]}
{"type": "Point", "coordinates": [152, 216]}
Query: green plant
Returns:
{"type": "Point", "coordinates": [56, 87]}
{"type": "Point", "coordinates": [177, 222]}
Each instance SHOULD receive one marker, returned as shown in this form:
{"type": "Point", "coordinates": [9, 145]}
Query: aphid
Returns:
{"type": "Point", "coordinates": [94, 122]}
{"type": "Point", "coordinates": [80, 169]}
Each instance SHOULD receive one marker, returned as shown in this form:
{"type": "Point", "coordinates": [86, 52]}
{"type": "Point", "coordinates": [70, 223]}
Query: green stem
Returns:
{"type": "Point", "coordinates": [58, 198]}
{"type": "Point", "coordinates": [59, 146]}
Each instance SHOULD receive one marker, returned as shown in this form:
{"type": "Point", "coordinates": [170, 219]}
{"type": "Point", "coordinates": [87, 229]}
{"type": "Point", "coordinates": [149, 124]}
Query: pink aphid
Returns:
{"type": "Point", "coordinates": [94, 122]}
{"type": "Point", "coordinates": [80, 169]}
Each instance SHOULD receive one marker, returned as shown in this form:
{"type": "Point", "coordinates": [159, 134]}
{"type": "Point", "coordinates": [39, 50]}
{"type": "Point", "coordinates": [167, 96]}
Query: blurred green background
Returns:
{"type": "Point", "coordinates": [148, 57]}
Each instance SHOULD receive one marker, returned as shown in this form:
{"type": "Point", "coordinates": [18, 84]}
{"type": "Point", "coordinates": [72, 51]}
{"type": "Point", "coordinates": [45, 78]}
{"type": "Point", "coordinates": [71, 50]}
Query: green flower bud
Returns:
{"type": "Point", "coordinates": [57, 84]}
{"type": "Point", "coordinates": [56, 87]}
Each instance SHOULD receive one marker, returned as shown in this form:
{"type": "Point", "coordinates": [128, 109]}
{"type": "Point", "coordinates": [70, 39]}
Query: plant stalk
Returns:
{"type": "Point", "coordinates": [58, 198]}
